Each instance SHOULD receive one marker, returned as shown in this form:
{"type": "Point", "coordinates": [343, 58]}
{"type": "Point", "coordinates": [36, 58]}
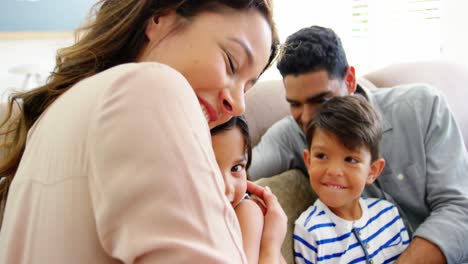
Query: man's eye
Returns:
{"type": "Point", "coordinates": [351, 160]}
{"type": "Point", "coordinates": [294, 105]}
{"type": "Point", "coordinates": [237, 168]}
{"type": "Point", "coordinates": [324, 99]}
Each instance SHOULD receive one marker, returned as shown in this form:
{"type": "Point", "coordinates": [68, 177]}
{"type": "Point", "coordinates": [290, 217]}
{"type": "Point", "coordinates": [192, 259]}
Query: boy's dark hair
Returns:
{"type": "Point", "coordinates": [241, 123]}
{"type": "Point", "coordinates": [313, 48]}
{"type": "Point", "coordinates": [352, 119]}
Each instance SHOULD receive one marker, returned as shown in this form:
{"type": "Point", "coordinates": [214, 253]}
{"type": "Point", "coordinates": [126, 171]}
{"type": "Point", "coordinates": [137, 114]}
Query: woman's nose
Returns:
{"type": "Point", "coordinates": [233, 101]}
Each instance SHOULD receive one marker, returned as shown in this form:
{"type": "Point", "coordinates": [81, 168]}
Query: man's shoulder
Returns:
{"type": "Point", "coordinates": [416, 94]}
{"type": "Point", "coordinates": [284, 128]}
{"type": "Point", "coordinates": [285, 123]}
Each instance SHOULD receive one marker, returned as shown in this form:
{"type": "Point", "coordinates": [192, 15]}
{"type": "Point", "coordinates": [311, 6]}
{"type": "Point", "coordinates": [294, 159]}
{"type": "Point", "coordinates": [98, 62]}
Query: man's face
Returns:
{"type": "Point", "coordinates": [305, 92]}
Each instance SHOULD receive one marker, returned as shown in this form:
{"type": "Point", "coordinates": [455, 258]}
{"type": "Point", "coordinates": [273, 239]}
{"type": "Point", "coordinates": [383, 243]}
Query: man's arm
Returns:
{"type": "Point", "coordinates": [421, 251]}
{"type": "Point", "coordinates": [443, 233]}
{"type": "Point", "coordinates": [279, 150]}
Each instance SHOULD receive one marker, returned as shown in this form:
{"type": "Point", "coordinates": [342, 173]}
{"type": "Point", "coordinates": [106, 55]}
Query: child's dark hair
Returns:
{"type": "Point", "coordinates": [240, 122]}
{"type": "Point", "coordinates": [352, 119]}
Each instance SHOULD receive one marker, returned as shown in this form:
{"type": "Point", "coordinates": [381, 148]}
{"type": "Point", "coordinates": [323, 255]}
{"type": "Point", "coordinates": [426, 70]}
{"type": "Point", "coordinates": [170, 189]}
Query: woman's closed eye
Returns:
{"type": "Point", "coordinates": [231, 63]}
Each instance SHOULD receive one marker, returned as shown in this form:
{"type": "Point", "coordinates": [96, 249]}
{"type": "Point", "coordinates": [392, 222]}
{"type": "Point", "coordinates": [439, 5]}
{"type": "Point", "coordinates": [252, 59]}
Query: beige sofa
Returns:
{"type": "Point", "coordinates": [266, 104]}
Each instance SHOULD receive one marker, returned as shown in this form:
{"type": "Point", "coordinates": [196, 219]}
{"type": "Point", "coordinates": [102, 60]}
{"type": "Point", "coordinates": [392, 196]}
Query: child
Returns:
{"type": "Point", "coordinates": [342, 227]}
{"type": "Point", "coordinates": [232, 148]}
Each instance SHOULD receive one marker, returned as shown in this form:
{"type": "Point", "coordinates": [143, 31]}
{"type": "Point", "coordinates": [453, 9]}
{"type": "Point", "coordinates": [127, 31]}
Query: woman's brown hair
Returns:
{"type": "Point", "coordinates": [115, 34]}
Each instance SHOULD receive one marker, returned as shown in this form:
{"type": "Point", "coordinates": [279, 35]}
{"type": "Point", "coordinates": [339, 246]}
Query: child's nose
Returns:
{"type": "Point", "coordinates": [229, 191]}
{"type": "Point", "coordinates": [335, 171]}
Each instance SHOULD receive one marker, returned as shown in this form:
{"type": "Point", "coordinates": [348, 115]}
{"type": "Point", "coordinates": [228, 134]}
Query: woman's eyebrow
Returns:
{"type": "Point", "coordinates": [246, 48]}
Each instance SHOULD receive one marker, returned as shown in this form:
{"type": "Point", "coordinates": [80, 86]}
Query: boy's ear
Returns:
{"type": "Point", "coordinates": [375, 170]}
{"type": "Point", "coordinates": [306, 156]}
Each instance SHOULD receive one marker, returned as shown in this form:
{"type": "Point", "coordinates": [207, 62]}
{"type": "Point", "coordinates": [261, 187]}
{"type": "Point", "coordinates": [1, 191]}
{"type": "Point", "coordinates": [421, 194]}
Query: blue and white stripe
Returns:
{"type": "Point", "coordinates": [322, 237]}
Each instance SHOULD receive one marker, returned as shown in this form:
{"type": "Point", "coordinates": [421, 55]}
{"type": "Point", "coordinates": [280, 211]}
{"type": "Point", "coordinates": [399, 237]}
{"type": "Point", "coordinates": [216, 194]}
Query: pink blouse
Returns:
{"type": "Point", "coordinates": [120, 169]}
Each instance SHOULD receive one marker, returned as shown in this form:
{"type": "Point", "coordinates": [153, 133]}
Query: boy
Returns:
{"type": "Point", "coordinates": [343, 157]}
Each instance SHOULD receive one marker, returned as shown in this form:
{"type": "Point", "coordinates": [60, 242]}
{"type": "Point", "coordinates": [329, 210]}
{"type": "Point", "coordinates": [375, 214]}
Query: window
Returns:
{"type": "Point", "coordinates": [375, 33]}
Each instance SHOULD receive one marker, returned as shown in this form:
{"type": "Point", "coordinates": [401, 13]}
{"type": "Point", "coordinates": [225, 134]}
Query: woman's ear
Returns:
{"type": "Point", "coordinates": [158, 27]}
{"type": "Point", "coordinates": [375, 170]}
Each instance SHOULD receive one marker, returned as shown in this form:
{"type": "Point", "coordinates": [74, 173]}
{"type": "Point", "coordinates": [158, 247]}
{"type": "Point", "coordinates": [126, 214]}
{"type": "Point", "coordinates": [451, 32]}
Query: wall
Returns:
{"type": "Point", "coordinates": [36, 54]}
{"type": "Point", "coordinates": [42, 15]}
{"type": "Point", "coordinates": [330, 13]}
{"type": "Point", "coordinates": [454, 28]}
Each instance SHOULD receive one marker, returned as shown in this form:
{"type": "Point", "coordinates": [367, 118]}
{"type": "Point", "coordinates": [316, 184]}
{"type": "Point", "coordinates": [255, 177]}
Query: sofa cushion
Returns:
{"type": "Point", "coordinates": [265, 104]}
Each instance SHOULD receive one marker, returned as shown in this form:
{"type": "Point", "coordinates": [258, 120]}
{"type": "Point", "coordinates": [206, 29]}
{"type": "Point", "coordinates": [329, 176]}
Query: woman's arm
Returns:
{"type": "Point", "coordinates": [250, 218]}
{"type": "Point", "coordinates": [156, 189]}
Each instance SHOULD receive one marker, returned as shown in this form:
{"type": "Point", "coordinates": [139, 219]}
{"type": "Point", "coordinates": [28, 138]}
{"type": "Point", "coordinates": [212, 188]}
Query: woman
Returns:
{"type": "Point", "coordinates": [112, 161]}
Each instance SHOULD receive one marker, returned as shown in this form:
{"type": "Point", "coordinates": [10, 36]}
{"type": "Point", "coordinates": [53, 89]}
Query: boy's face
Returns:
{"type": "Point", "coordinates": [338, 175]}
{"type": "Point", "coordinates": [229, 149]}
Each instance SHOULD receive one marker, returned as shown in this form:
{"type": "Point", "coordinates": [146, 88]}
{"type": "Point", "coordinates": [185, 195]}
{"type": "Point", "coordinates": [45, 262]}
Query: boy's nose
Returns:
{"type": "Point", "coordinates": [335, 170]}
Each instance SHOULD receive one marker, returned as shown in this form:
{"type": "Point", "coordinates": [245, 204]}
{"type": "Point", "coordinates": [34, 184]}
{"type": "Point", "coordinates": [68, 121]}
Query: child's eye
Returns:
{"type": "Point", "coordinates": [237, 168]}
{"type": "Point", "coordinates": [351, 160]}
{"type": "Point", "coordinates": [320, 156]}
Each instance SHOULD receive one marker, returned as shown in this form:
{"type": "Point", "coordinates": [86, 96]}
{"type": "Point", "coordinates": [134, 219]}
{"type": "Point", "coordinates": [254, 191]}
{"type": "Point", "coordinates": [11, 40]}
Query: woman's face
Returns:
{"type": "Point", "coordinates": [220, 54]}
{"type": "Point", "coordinates": [229, 149]}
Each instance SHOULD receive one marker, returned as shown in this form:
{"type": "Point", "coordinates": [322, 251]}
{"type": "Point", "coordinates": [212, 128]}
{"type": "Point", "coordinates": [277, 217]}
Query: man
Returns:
{"type": "Point", "coordinates": [427, 163]}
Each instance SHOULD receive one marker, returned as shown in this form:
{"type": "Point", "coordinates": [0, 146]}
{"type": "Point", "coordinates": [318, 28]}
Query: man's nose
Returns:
{"type": "Point", "coordinates": [306, 115]}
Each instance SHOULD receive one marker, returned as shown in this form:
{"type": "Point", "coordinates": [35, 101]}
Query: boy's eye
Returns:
{"type": "Point", "coordinates": [320, 156]}
{"type": "Point", "coordinates": [351, 160]}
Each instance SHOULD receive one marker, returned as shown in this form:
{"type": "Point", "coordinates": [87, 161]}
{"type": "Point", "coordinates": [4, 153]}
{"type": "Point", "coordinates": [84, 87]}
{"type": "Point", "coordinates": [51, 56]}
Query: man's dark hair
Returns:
{"type": "Point", "coordinates": [352, 119]}
{"type": "Point", "coordinates": [313, 49]}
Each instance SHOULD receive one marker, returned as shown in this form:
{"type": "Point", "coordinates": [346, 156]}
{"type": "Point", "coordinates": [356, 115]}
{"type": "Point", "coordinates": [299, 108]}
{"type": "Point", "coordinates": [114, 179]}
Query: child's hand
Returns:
{"type": "Point", "coordinates": [275, 224]}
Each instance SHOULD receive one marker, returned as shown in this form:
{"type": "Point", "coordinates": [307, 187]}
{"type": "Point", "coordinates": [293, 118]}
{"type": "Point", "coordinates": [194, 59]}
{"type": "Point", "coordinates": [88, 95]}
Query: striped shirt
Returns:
{"type": "Point", "coordinates": [379, 236]}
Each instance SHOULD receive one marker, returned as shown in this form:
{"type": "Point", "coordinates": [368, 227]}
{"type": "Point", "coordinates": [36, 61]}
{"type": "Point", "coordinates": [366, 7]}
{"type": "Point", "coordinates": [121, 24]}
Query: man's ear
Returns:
{"type": "Point", "coordinates": [306, 156]}
{"type": "Point", "coordinates": [350, 79]}
{"type": "Point", "coordinates": [375, 170]}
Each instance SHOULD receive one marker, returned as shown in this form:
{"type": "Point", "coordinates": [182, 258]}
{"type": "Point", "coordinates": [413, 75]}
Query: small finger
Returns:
{"type": "Point", "coordinates": [255, 189]}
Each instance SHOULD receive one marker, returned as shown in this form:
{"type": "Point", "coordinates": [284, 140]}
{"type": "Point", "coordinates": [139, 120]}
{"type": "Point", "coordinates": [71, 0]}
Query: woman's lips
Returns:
{"type": "Point", "coordinates": [208, 110]}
